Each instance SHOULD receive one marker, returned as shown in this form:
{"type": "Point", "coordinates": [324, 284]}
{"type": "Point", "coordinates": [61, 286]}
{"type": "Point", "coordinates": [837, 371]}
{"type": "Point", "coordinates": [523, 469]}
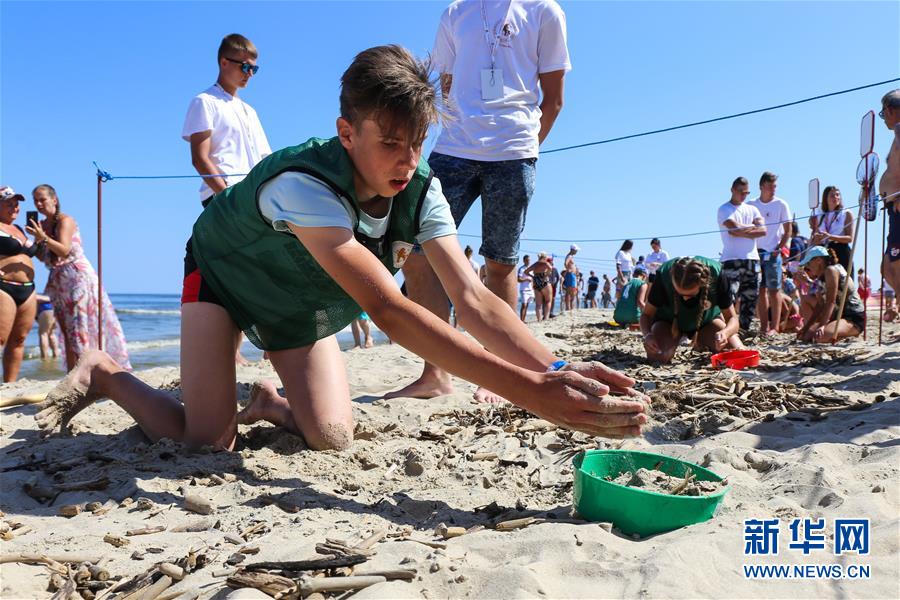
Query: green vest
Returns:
{"type": "Point", "coordinates": [627, 311]}
{"type": "Point", "coordinates": [687, 316]}
{"type": "Point", "coordinates": [268, 282]}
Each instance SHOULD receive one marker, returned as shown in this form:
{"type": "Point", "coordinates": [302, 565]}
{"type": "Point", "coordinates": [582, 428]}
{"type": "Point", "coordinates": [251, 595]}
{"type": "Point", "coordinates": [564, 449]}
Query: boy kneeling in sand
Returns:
{"type": "Point", "coordinates": [293, 253]}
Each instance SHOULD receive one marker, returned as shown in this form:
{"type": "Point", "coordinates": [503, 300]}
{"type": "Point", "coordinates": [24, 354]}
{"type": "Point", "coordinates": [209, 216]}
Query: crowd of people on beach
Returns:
{"type": "Point", "coordinates": [766, 271]}
{"type": "Point", "coordinates": [310, 240]}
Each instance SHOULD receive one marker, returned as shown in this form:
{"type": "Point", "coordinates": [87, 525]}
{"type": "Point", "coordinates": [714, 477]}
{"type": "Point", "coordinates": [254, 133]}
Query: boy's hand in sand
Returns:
{"type": "Point", "coordinates": [576, 402]}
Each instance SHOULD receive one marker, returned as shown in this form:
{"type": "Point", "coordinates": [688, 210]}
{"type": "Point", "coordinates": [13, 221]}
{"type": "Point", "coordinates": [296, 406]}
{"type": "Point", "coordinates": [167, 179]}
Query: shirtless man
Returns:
{"type": "Point", "coordinates": [890, 184]}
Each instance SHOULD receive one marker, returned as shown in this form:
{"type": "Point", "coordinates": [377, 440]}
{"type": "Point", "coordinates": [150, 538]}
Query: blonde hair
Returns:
{"type": "Point", "coordinates": [686, 273]}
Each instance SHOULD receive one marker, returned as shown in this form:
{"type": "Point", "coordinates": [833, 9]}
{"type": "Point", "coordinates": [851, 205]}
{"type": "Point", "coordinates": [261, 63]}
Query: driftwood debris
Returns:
{"type": "Point", "coordinates": [268, 583]}
{"type": "Point", "coordinates": [98, 483]}
{"type": "Point", "coordinates": [390, 575]}
{"type": "Point", "coordinates": [173, 571]}
{"type": "Point", "coordinates": [20, 400]}
{"type": "Point", "coordinates": [193, 502]}
{"type": "Point", "coordinates": [446, 532]}
{"type": "Point", "coordinates": [515, 524]}
{"type": "Point", "coordinates": [246, 533]}
{"type": "Point", "coordinates": [145, 530]}
{"type": "Point", "coordinates": [115, 540]}
{"type": "Point", "coordinates": [311, 585]}
{"type": "Point", "coordinates": [316, 564]}
{"type": "Point", "coordinates": [46, 558]}
{"type": "Point", "coordinates": [69, 510]}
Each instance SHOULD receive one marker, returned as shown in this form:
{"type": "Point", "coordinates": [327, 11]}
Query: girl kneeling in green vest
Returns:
{"type": "Point", "coordinates": [632, 298]}
{"type": "Point", "coordinates": [689, 298]}
{"type": "Point", "coordinates": [309, 239]}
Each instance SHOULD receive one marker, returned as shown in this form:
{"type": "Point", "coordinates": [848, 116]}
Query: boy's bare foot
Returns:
{"type": "Point", "coordinates": [484, 396]}
{"type": "Point", "coordinates": [239, 359]}
{"type": "Point", "coordinates": [424, 387]}
{"type": "Point", "coordinates": [72, 395]}
{"type": "Point", "coordinates": [369, 343]}
{"type": "Point", "coordinates": [266, 404]}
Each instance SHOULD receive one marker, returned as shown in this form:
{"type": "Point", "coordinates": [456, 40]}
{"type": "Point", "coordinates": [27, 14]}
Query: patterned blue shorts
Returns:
{"type": "Point", "coordinates": [505, 188]}
{"type": "Point", "coordinates": [771, 269]}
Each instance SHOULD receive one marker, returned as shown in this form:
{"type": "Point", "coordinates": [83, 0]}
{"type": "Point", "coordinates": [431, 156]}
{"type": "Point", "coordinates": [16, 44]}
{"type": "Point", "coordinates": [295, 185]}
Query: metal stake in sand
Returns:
{"type": "Point", "coordinates": [865, 174]}
{"type": "Point", "coordinates": [99, 259]}
{"type": "Point", "coordinates": [868, 200]}
{"type": "Point", "coordinates": [884, 219]}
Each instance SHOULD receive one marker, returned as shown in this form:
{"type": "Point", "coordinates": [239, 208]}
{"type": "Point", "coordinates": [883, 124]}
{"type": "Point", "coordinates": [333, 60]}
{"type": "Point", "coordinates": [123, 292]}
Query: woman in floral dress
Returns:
{"type": "Point", "coordinates": [72, 285]}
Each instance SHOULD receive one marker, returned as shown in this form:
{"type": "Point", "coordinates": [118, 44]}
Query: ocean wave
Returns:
{"type": "Point", "coordinates": [147, 311]}
{"type": "Point", "coordinates": [145, 345]}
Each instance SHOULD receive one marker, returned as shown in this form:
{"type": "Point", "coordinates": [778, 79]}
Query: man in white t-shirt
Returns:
{"type": "Point", "coordinates": [526, 291]}
{"type": "Point", "coordinates": [469, 252]}
{"type": "Point", "coordinates": [501, 68]}
{"type": "Point", "coordinates": [776, 215]}
{"type": "Point", "coordinates": [224, 132]}
{"type": "Point", "coordinates": [740, 225]}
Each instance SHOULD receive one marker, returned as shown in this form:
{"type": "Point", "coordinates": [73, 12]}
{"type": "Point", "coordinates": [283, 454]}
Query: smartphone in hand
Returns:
{"type": "Point", "coordinates": [31, 215]}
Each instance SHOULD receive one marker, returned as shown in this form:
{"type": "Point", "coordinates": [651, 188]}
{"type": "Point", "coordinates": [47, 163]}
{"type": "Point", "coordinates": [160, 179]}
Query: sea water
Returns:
{"type": "Point", "coordinates": [152, 325]}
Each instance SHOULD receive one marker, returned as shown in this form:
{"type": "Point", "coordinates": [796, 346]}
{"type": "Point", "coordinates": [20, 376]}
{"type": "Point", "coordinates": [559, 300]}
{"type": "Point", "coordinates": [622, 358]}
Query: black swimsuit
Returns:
{"type": "Point", "coordinates": [11, 246]}
{"type": "Point", "coordinates": [541, 280]}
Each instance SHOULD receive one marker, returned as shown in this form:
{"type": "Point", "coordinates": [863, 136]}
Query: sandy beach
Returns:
{"type": "Point", "coordinates": [812, 433]}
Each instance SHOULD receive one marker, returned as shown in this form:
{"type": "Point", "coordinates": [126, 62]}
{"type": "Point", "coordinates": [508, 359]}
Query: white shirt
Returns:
{"type": "Point", "coordinates": [737, 248]}
{"type": "Point", "coordinates": [529, 39]}
{"type": "Point", "coordinates": [656, 259]}
{"type": "Point", "coordinates": [625, 261]}
{"type": "Point", "coordinates": [237, 141]}
{"type": "Point", "coordinates": [475, 266]}
{"type": "Point", "coordinates": [833, 221]}
{"type": "Point", "coordinates": [525, 286]}
{"type": "Point", "coordinates": [304, 201]}
{"type": "Point", "coordinates": [777, 215]}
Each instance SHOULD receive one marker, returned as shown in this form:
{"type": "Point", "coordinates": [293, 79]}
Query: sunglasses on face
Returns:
{"type": "Point", "coordinates": [245, 66]}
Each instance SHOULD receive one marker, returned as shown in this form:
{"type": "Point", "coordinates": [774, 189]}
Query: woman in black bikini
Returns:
{"type": "Point", "coordinates": [543, 292]}
{"type": "Point", "coordinates": [17, 299]}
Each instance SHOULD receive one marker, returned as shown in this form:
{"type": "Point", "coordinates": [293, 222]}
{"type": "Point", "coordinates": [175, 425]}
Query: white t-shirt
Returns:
{"type": "Point", "coordinates": [625, 261]}
{"type": "Point", "coordinates": [656, 257]}
{"type": "Point", "coordinates": [305, 201]}
{"type": "Point", "coordinates": [237, 141]}
{"type": "Point", "coordinates": [475, 266]}
{"type": "Point", "coordinates": [524, 286]}
{"type": "Point", "coordinates": [529, 39]}
{"type": "Point", "coordinates": [777, 215]}
{"type": "Point", "coordinates": [833, 221]}
{"type": "Point", "coordinates": [743, 215]}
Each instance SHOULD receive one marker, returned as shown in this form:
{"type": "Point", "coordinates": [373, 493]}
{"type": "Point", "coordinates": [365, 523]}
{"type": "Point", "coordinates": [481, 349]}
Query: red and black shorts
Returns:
{"type": "Point", "coordinates": [194, 289]}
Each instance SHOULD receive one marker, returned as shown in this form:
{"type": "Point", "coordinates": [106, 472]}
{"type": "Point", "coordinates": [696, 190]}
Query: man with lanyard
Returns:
{"type": "Point", "coordinates": [224, 132]}
{"type": "Point", "coordinates": [740, 224]}
{"type": "Point", "coordinates": [889, 188]}
{"type": "Point", "coordinates": [776, 214]}
{"type": "Point", "coordinates": [501, 68]}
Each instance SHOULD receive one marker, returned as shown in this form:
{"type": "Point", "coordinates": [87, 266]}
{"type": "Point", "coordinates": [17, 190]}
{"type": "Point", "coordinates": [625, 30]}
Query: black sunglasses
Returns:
{"type": "Point", "coordinates": [245, 66]}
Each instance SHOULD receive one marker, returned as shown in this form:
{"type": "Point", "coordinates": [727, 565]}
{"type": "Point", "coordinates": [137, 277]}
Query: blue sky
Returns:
{"type": "Point", "coordinates": [110, 81]}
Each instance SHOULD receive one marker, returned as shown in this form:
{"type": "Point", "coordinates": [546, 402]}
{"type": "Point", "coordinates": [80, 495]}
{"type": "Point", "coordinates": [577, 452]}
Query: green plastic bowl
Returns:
{"type": "Point", "coordinates": [634, 510]}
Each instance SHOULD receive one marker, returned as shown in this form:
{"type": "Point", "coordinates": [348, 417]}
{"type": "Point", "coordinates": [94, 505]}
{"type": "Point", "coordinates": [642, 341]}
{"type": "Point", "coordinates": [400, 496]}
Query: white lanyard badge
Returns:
{"type": "Point", "coordinates": [492, 79]}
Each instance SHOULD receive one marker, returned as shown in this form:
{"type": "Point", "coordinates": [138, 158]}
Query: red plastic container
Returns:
{"type": "Point", "coordinates": [736, 359]}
